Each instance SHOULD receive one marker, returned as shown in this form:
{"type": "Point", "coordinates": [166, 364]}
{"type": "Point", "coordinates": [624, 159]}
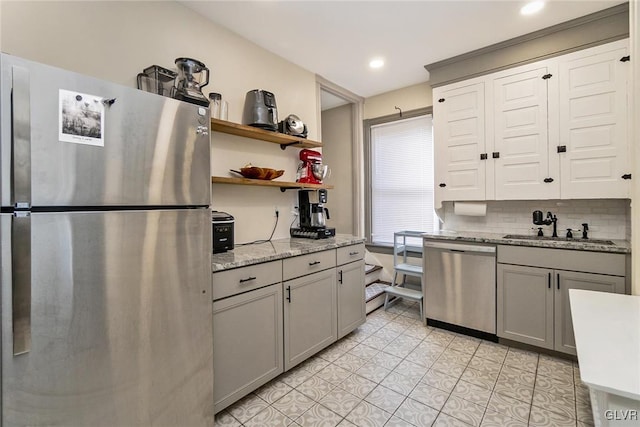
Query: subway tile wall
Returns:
{"type": "Point", "coordinates": [607, 218]}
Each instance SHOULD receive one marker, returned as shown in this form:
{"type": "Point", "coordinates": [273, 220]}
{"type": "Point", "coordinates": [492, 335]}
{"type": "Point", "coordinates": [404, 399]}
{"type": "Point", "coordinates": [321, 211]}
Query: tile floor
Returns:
{"type": "Point", "coordinates": [393, 371]}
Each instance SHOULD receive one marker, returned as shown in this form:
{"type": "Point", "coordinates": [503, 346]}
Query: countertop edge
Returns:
{"type": "Point", "coordinates": [277, 250]}
{"type": "Point", "coordinates": [621, 246]}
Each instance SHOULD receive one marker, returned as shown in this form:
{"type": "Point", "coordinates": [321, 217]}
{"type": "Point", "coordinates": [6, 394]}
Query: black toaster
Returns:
{"type": "Point", "coordinates": [222, 228]}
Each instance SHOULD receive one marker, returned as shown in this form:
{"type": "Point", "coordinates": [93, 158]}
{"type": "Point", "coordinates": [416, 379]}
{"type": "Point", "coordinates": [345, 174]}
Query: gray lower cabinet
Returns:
{"type": "Point", "coordinates": [310, 321]}
{"type": "Point", "coordinates": [565, 280]}
{"type": "Point", "coordinates": [351, 297]}
{"type": "Point", "coordinates": [533, 301]}
{"type": "Point", "coordinates": [525, 304]}
{"type": "Point", "coordinates": [248, 343]}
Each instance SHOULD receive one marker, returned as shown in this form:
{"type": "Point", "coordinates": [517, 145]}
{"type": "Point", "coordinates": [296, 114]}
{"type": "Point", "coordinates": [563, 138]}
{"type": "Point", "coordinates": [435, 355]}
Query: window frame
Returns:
{"type": "Point", "coordinates": [367, 124]}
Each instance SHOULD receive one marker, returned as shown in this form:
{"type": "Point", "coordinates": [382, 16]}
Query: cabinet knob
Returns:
{"type": "Point", "coordinates": [248, 279]}
{"type": "Point", "coordinates": [625, 58]}
{"type": "Point", "coordinates": [314, 263]}
{"type": "Point", "coordinates": [547, 76]}
{"type": "Point", "coordinates": [548, 180]}
{"type": "Point", "coordinates": [562, 148]}
{"type": "Point", "coordinates": [626, 176]}
{"type": "Point", "coordinates": [483, 156]}
{"type": "Point", "coordinates": [495, 154]}
{"type": "Point", "coordinates": [442, 185]}
{"type": "Point", "coordinates": [441, 100]}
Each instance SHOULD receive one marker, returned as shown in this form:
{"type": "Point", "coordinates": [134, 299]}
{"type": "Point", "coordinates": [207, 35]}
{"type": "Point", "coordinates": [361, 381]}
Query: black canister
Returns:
{"type": "Point", "coordinates": [538, 217]}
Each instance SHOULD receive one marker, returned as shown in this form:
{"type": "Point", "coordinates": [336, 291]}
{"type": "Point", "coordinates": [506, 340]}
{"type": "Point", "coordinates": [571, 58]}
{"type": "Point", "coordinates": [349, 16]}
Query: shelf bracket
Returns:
{"type": "Point", "coordinates": [283, 189]}
{"type": "Point", "coordinates": [284, 146]}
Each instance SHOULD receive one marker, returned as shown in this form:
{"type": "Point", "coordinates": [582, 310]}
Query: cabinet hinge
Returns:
{"type": "Point", "coordinates": [562, 148]}
{"type": "Point", "coordinates": [625, 58]}
{"type": "Point", "coordinates": [546, 76]}
{"type": "Point", "coordinates": [441, 100]}
{"type": "Point", "coordinates": [626, 176]}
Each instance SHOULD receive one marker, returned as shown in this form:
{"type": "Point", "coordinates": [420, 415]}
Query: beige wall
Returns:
{"type": "Point", "coordinates": [337, 152]}
{"type": "Point", "coordinates": [408, 98]}
{"type": "Point", "coordinates": [116, 40]}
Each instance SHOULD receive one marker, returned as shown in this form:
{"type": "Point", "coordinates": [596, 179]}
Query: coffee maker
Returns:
{"type": "Point", "coordinates": [193, 75]}
{"type": "Point", "coordinates": [313, 215]}
{"type": "Point", "coordinates": [311, 170]}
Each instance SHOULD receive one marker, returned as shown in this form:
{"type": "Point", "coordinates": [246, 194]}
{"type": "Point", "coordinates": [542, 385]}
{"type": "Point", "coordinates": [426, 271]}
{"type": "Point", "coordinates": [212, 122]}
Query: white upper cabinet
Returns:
{"type": "Point", "coordinates": [521, 135]}
{"type": "Point", "coordinates": [551, 129]}
{"type": "Point", "coordinates": [593, 122]}
{"type": "Point", "coordinates": [459, 131]}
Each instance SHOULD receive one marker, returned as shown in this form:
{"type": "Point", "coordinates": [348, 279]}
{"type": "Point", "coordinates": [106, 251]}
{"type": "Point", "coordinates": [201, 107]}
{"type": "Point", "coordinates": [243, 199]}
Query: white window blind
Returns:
{"type": "Point", "coordinates": [402, 178]}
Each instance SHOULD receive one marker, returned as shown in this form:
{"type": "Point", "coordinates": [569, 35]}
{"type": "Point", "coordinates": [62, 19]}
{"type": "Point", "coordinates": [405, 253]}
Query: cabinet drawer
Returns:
{"type": "Point", "coordinates": [238, 280]}
{"type": "Point", "coordinates": [351, 253]}
{"type": "Point", "coordinates": [307, 264]}
{"type": "Point", "coordinates": [564, 259]}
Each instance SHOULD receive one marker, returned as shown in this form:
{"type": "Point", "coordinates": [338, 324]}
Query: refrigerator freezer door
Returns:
{"type": "Point", "coordinates": [138, 148]}
{"type": "Point", "coordinates": [121, 321]}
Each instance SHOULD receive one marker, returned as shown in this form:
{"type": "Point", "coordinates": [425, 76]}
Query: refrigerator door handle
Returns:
{"type": "Point", "coordinates": [21, 124]}
{"type": "Point", "coordinates": [21, 281]}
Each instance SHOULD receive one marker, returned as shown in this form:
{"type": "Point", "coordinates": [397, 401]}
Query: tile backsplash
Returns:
{"type": "Point", "coordinates": [607, 218]}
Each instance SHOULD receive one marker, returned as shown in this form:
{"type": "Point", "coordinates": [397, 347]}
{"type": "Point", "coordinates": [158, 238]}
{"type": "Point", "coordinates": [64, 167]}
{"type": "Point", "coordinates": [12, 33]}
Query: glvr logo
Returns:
{"type": "Point", "coordinates": [621, 415]}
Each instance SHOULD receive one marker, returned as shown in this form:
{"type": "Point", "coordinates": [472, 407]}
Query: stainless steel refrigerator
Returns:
{"type": "Point", "coordinates": [106, 253]}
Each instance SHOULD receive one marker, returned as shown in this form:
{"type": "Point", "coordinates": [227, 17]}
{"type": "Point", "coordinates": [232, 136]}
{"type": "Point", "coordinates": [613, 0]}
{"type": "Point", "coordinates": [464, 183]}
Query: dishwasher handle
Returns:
{"type": "Point", "coordinates": [456, 247]}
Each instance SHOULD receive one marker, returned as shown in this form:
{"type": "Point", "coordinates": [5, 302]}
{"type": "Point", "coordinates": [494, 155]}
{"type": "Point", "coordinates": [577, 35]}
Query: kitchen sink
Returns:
{"type": "Point", "coordinates": [559, 239]}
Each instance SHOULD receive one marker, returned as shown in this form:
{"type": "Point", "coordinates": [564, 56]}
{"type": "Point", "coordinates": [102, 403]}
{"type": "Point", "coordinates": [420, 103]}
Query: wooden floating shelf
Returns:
{"type": "Point", "coordinates": [263, 135]}
{"type": "Point", "coordinates": [283, 185]}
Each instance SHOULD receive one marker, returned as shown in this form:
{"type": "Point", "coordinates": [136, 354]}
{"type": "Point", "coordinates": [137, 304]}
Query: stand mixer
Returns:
{"type": "Point", "coordinates": [311, 170]}
{"type": "Point", "coordinates": [193, 75]}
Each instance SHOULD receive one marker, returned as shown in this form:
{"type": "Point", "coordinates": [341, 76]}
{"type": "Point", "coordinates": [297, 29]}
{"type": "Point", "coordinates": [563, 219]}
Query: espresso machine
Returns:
{"type": "Point", "coordinates": [313, 215]}
{"type": "Point", "coordinates": [311, 170]}
{"type": "Point", "coordinates": [193, 75]}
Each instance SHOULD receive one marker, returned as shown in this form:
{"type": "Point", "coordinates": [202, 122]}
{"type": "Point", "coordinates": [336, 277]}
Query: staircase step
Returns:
{"type": "Point", "coordinates": [371, 268]}
{"type": "Point", "coordinates": [375, 289]}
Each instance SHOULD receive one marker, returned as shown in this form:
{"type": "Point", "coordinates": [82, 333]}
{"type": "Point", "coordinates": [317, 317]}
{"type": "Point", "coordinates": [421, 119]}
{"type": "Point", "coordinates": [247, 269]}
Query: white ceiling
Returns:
{"type": "Point", "coordinates": [337, 39]}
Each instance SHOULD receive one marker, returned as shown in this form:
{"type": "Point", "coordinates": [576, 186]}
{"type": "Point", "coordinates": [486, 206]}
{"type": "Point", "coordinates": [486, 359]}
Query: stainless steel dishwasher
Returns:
{"type": "Point", "coordinates": [460, 284]}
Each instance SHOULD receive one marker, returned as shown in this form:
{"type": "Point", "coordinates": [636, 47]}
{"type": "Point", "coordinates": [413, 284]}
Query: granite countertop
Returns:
{"type": "Point", "coordinates": [277, 249]}
{"type": "Point", "coordinates": [619, 246]}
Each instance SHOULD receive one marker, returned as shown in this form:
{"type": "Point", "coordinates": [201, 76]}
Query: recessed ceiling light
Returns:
{"type": "Point", "coordinates": [376, 63]}
{"type": "Point", "coordinates": [532, 7]}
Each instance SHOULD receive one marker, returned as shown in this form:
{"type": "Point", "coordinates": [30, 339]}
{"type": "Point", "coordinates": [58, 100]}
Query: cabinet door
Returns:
{"type": "Point", "coordinates": [351, 298]}
{"type": "Point", "coordinates": [247, 343]}
{"type": "Point", "coordinates": [593, 123]}
{"type": "Point", "coordinates": [459, 135]}
{"type": "Point", "coordinates": [521, 139]}
{"type": "Point", "coordinates": [310, 320]}
{"type": "Point", "coordinates": [525, 304]}
{"type": "Point", "coordinates": [565, 280]}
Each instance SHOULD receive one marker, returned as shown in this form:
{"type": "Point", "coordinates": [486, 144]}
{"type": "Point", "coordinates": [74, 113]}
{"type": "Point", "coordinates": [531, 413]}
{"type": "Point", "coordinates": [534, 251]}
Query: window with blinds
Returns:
{"type": "Point", "coordinates": [401, 171]}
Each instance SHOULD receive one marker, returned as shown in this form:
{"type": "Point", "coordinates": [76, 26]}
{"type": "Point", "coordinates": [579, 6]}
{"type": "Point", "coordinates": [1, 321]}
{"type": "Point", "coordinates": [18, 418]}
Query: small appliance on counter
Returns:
{"type": "Point", "coordinates": [193, 75]}
{"type": "Point", "coordinates": [157, 79]}
{"type": "Point", "coordinates": [222, 226]}
{"type": "Point", "coordinates": [260, 110]}
{"type": "Point", "coordinates": [313, 215]}
{"type": "Point", "coordinates": [311, 170]}
{"type": "Point", "coordinates": [293, 126]}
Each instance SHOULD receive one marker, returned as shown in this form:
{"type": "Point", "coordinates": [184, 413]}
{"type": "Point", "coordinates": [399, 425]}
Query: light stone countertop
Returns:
{"type": "Point", "coordinates": [277, 249]}
{"type": "Point", "coordinates": [619, 246]}
{"type": "Point", "coordinates": [608, 340]}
